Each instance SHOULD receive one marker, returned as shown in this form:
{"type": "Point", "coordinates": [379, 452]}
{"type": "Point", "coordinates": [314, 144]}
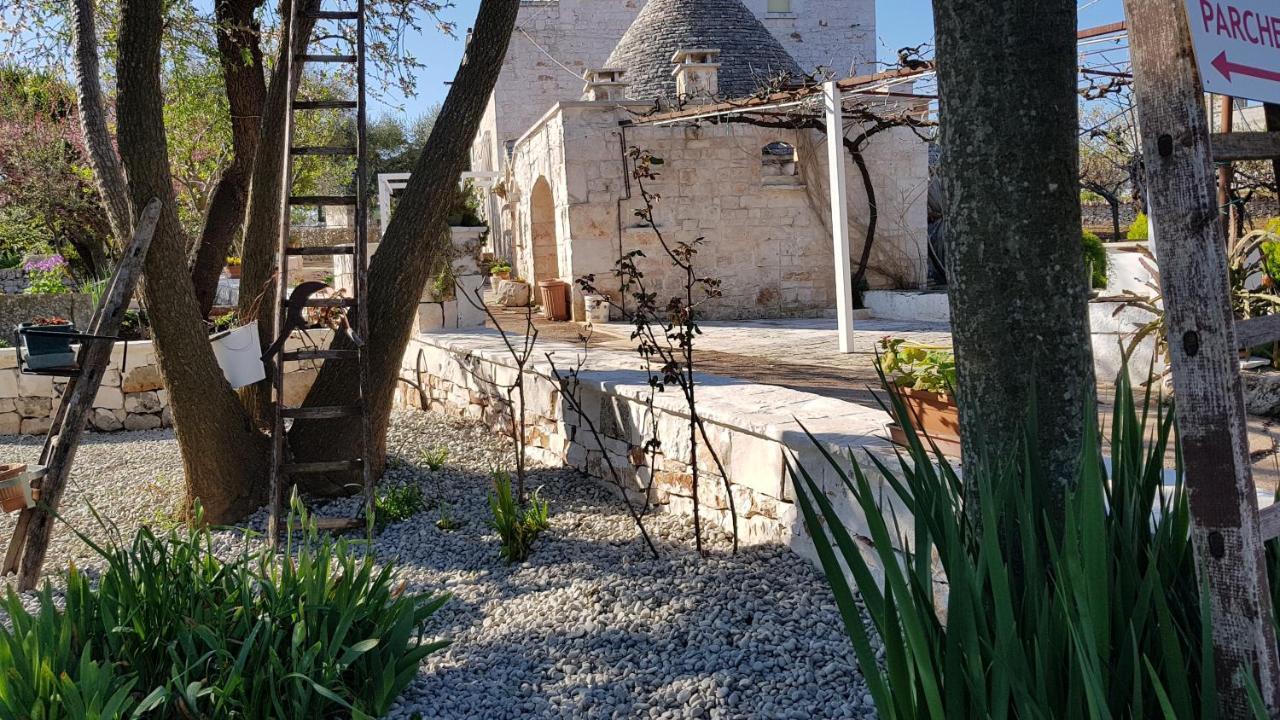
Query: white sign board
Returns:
{"type": "Point", "coordinates": [1237, 46]}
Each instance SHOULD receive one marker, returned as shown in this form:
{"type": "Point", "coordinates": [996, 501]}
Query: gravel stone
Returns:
{"type": "Point", "coordinates": [591, 626]}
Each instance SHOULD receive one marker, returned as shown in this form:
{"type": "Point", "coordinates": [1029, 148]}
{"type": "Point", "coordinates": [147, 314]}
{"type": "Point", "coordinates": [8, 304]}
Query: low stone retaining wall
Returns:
{"type": "Point", "coordinates": [132, 396]}
{"type": "Point", "coordinates": [750, 426]}
{"type": "Point", "coordinates": [13, 281]}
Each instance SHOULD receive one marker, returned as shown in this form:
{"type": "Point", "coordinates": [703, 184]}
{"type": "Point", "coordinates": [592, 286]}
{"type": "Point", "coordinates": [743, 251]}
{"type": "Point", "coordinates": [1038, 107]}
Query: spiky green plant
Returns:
{"type": "Point", "coordinates": [1002, 613]}
{"type": "Point", "coordinates": [172, 629]}
{"type": "Point", "coordinates": [517, 526]}
{"type": "Point", "coordinates": [398, 502]}
{"type": "Point", "coordinates": [434, 458]}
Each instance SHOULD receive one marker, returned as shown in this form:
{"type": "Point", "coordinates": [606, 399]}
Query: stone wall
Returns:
{"type": "Point", "coordinates": [751, 427]}
{"type": "Point", "coordinates": [16, 309]}
{"type": "Point", "coordinates": [132, 395]}
{"type": "Point", "coordinates": [13, 281]}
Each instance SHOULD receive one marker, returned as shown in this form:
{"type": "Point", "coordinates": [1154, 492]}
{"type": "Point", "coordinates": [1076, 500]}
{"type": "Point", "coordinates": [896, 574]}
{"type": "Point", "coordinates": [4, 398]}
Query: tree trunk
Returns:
{"type": "Point", "coordinates": [240, 51]}
{"type": "Point", "coordinates": [415, 241]}
{"type": "Point", "coordinates": [1271, 112]}
{"type": "Point", "coordinates": [1017, 280]}
{"type": "Point", "coordinates": [262, 219]}
{"type": "Point", "coordinates": [93, 124]}
{"type": "Point", "coordinates": [224, 459]}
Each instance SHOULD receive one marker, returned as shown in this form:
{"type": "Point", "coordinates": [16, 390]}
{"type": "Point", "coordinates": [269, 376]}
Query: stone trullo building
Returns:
{"type": "Point", "coordinates": [581, 75]}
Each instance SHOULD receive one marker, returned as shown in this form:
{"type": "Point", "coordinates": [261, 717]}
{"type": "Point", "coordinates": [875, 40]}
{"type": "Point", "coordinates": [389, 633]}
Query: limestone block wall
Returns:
{"type": "Point", "coordinates": [751, 427]}
{"type": "Point", "coordinates": [767, 238]}
{"type": "Point", "coordinates": [132, 395]}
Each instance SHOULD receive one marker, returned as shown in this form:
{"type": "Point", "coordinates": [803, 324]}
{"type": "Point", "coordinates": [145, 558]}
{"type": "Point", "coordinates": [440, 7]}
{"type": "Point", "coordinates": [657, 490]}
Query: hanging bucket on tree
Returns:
{"type": "Point", "coordinates": [239, 354]}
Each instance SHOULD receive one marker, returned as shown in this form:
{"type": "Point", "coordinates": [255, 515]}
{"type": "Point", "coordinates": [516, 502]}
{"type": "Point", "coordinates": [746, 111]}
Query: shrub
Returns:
{"type": "Point", "coordinates": [517, 526]}
{"type": "Point", "coordinates": [172, 628]}
{"type": "Point", "coordinates": [1138, 230]}
{"type": "Point", "coordinates": [1099, 616]}
{"type": "Point", "coordinates": [1095, 256]}
{"type": "Point", "coordinates": [434, 458]}
{"type": "Point", "coordinates": [398, 503]}
{"type": "Point", "coordinates": [48, 276]}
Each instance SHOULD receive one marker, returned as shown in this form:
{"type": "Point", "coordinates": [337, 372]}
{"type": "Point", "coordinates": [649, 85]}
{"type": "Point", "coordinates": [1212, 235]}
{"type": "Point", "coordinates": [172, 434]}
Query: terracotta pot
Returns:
{"type": "Point", "coordinates": [503, 275]}
{"type": "Point", "coordinates": [233, 272]}
{"type": "Point", "coordinates": [933, 414]}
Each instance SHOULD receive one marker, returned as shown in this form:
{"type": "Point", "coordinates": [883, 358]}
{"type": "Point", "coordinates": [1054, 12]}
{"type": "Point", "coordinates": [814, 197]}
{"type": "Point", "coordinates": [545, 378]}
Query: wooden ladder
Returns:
{"type": "Point", "coordinates": [1228, 529]}
{"type": "Point", "coordinates": [283, 468]}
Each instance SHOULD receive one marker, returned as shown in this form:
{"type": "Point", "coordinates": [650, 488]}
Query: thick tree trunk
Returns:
{"type": "Point", "coordinates": [1015, 265]}
{"type": "Point", "coordinates": [414, 242]}
{"type": "Point", "coordinates": [262, 219]}
{"type": "Point", "coordinates": [240, 51]}
{"type": "Point", "coordinates": [93, 124]}
{"type": "Point", "coordinates": [224, 458]}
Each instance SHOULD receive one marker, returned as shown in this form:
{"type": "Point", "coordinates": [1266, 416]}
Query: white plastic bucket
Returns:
{"type": "Point", "coordinates": [597, 307]}
{"type": "Point", "coordinates": [239, 354]}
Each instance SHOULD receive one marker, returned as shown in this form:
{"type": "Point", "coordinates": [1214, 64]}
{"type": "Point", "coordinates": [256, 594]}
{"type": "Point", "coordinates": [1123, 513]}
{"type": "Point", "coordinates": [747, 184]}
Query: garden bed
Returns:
{"type": "Point", "coordinates": [590, 626]}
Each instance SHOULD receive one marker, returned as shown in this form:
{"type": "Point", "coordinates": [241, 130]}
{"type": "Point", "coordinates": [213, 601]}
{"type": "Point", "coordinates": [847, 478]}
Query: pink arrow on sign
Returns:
{"type": "Point", "coordinates": [1226, 67]}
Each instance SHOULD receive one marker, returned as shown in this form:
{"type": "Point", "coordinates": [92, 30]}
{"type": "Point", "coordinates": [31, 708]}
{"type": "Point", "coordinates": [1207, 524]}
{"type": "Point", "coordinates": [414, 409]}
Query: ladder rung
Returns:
{"type": "Point", "coordinates": [320, 354]}
{"type": "Point", "coordinates": [326, 302]}
{"type": "Point", "coordinates": [326, 58]}
{"type": "Point", "coordinates": [304, 468]}
{"type": "Point", "coordinates": [323, 150]}
{"type": "Point", "coordinates": [322, 199]}
{"type": "Point", "coordinates": [333, 14]}
{"type": "Point", "coordinates": [325, 105]}
{"type": "Point", "coordinates": [321, 412]}
{"type": "Point", "coordinates": [322, 250]}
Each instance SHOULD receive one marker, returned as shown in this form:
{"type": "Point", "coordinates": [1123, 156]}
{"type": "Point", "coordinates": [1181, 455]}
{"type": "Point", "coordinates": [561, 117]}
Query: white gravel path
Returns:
{"type": "Point", "coordinates": [590, 627]}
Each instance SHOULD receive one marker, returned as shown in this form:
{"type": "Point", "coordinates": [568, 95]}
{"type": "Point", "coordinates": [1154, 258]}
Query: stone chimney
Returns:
{"type": "Point", "coordinates": [697, 73]}
{"type": "Point", "coordinates": [604, 84]}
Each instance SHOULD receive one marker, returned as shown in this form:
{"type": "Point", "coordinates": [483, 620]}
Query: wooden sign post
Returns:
{"type": "Point", "coordinates": [1203, 349]}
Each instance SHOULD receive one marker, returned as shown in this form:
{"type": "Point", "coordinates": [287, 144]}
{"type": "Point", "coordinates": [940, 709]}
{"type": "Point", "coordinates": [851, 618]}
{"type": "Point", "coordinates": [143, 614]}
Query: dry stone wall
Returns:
{"type": "Point", "coordinates": [132, 395]}
{"type": "Point", "coordinates": [751, 427]}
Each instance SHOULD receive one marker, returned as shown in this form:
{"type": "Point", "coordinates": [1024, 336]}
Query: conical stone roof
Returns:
{"type": "Point", "coordinates": [749, 53]}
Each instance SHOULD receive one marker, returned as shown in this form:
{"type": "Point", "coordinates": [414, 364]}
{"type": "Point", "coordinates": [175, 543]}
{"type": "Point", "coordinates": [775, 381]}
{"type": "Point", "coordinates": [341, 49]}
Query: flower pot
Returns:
{"type": "Point", "coordinates": [15, 488]}
{"type": "Point", "coordinates": [48, 351]}
{"type": "Point", "coordinates": [239, 354]}
{"type": "Point", "coordinates": [233, 272]}
{"type": "Point", "coordinates": [597, 307]}
{"type": "Point", "coordinates": [504, 275]}
{"type": "Point", "coordinates": [555, 299]}
{"type": "Point", "coordinates": [934, 415]}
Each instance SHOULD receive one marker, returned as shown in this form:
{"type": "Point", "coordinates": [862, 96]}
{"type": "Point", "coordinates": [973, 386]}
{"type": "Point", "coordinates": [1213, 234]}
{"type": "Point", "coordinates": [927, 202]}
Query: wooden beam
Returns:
{"type": "Point", "coordinates": [1246, 146]}
{"type": "Point", "coordinates": [1225, 526]}
{"type": "Point", "coordinates": [1100, 30]}
{"type": "Point", "coordinates": [30, 541]}
{"type": "Point", "coordinates": [1253, 332]}
{"type": "Point", "coordinates": [1269, 522]}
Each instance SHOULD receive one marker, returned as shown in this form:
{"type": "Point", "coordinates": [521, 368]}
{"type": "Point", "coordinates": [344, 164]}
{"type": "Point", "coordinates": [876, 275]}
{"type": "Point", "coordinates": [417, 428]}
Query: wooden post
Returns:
{"type": "Point", "coordinates": [1226, 176]}
{"type": "Point", "coordinates": [839, 212]}
{"type": "Point", "coordinates": [1202, 345]}
{"type": "Point", "coordinates": [31, 534]}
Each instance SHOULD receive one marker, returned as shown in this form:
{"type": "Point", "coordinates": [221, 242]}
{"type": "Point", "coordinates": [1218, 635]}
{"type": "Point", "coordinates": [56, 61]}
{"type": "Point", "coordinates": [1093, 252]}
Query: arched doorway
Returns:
{"type": "Point", "coordinates": [542, 232]}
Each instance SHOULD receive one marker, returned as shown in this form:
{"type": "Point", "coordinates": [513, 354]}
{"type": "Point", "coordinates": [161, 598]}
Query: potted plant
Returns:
{"type": "Point", "coordinates": [501, 270]}
{"type": "Point", "coordinates": [923, 376]}
{"type": "Point", "coordinates": [233, 267]}
{"type": "Point", "coordinates": [45, 349]}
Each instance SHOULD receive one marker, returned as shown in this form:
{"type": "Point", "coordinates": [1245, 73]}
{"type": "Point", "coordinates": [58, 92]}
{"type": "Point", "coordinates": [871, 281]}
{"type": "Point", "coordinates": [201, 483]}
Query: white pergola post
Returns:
{"type": "Point", "coordinates": [839, 212]}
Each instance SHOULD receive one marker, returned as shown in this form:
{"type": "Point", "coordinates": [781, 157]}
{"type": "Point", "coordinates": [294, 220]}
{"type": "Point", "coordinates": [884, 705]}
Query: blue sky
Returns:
{"type": "Point", "coordinates": [900, 23]}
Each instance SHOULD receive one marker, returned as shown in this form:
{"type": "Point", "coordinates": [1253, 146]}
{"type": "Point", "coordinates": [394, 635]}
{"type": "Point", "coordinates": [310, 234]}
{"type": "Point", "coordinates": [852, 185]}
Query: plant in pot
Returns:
{"type": "Point", "coordinates": [923, 377]}
{"type": "Point", "coordinates": [466, 207]}
{"type": "Point", "coordinates": [501, 270]}
{"type": "Point", "coordinates": [233, 267]}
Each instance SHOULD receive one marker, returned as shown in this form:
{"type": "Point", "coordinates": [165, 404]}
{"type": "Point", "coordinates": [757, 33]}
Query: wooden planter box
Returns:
{"type": "Point", "coordinates": [933, 415]}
